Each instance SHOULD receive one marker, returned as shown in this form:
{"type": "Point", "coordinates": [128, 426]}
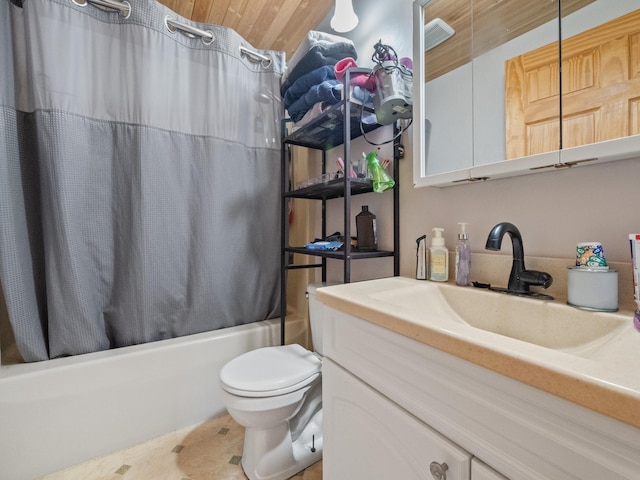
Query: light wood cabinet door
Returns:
{"type": "Point", "coordinates": [600, 90]}
{"type": "Point", "coordinates": [532, 117]}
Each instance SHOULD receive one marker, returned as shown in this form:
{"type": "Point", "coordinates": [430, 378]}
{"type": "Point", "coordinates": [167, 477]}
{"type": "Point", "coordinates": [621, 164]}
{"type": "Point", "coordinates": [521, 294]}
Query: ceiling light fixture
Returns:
{"type": "Point", "coordinates": [344, 18]}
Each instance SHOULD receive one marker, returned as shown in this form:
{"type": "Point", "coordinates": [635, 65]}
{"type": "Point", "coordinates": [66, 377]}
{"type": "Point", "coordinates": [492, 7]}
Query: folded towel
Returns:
{"type": "Point", "coordinates": [318, 56]}
{"type": "Point", "coordinates": [329, 91]}
{"type": "Point", "coordinates": [302, 85]}
{"type": "Point", "coordinates": [313, 38]}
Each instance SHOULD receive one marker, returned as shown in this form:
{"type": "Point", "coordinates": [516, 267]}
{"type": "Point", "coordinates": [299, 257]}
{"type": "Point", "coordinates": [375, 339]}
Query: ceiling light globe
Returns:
{"type": "Point", "coordinates": [344, 18]}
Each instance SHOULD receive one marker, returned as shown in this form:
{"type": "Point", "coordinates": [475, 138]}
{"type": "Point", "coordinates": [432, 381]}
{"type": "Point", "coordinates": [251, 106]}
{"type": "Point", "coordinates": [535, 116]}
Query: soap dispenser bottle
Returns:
{"type": "Point", "coordinates": [463, 256]}
{"type": "Point", "coordinates": [439, 262]}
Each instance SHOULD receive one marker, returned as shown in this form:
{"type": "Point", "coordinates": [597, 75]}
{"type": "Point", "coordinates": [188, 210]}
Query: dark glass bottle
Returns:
{"type": "Point", "coordinates": [366, 230]}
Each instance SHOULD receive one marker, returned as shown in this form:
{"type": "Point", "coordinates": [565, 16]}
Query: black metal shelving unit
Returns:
{"type": "Point", "coordinates": [327, 131]}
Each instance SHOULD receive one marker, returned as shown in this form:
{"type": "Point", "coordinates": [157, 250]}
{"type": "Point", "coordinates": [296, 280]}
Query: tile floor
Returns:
{"type": "Point", "coordinates": [210, 451]}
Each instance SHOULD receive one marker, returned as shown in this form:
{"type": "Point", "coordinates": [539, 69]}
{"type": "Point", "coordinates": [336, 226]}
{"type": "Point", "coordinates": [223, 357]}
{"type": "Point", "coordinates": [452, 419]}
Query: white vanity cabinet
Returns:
{"type": "Point", "coordinates": [373, 438]}
{"type": "Point", "coordinates": [482, 471]}
{"type": "Point", "coordinates": [392, 405]}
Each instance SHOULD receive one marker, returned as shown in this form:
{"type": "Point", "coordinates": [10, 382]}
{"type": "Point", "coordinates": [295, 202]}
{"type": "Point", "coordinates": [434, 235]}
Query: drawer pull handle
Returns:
{"type": "Point", "coordinates": [439, 470]}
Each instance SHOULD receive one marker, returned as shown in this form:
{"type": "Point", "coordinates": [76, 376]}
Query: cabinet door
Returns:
{"type": "Point", "coordinates": [600, 88]}
{"type": "Point", "coordinates": [532, 102]}
{"type": "Point", "coordinates": [601, 82]}
{"type": "Point", "coordinates": [482, 471]}
{"type": "Point", "coordinates": [368, 436]}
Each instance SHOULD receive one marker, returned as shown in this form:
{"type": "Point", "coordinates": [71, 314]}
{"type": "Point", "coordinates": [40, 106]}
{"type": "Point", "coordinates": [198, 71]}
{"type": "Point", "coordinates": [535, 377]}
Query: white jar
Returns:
{"type": "Point", "coordinates": [593, 288]}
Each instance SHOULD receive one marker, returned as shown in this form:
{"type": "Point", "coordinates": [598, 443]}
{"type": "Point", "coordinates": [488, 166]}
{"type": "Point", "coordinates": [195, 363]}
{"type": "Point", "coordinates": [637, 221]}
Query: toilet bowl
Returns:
{"type": "Point", "coordinates": [276, 394]}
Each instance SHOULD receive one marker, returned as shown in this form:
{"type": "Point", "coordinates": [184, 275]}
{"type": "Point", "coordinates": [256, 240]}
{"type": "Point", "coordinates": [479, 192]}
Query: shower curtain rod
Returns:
{"type": "Point", "coordinates": [124, 8]}
{"type": "Point", "coordinates": [255, 56]}
{"type": "Point", "coordinates": [190, 31]}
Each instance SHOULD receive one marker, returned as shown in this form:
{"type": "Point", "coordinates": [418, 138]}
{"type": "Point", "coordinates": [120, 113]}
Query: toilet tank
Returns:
{"type": "Point", "coordinates": [315, 315]}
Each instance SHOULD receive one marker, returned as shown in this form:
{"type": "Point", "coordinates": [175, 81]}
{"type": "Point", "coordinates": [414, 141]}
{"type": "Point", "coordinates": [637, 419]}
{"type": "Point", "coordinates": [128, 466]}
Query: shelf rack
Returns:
{"type": "Point", "coordinates": [327, 131]}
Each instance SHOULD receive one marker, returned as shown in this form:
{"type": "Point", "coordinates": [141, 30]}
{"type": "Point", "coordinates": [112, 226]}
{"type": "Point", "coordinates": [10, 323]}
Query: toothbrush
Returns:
{"type": "Point", "coordinates": [340, 163]}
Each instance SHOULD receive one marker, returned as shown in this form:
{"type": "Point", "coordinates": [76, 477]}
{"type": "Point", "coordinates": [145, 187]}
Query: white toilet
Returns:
{"type": "Point", "coordinates": [276, 394]}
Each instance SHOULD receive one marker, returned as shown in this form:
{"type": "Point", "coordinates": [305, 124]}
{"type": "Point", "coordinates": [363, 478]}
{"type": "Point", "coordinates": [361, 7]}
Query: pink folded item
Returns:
{"type": "Point", "coordinates": [361, 79]}
{"type": "Point", "coordinates": [342, 66]}
{"type": "Point", "coordinates": [364, 80]}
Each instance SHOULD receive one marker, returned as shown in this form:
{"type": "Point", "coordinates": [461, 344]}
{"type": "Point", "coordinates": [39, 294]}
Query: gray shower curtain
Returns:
{"type": "Point", "coordinates": [139, 177]}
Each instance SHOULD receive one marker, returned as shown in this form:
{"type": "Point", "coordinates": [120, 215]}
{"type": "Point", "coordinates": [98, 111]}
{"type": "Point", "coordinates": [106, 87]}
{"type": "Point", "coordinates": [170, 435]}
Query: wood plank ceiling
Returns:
{"type": "Point", "coordinates": [481, 25]}
{"type": "Point", "coordinates": [266, 24]}
{"type": "Point", "coordinates": [282, 24]}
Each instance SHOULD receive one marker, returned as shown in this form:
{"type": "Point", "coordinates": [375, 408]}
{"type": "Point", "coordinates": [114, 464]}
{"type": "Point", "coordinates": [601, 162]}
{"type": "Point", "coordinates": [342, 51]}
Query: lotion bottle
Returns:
{"type": "Point", "coordinates": [463, 256]}
{"type": "Point", "coordinates": [439, 261]}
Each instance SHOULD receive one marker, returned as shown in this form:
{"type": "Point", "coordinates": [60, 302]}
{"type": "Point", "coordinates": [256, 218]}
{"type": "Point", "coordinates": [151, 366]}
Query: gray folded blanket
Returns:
{"type": "Point", "coordinates": [318, 56]}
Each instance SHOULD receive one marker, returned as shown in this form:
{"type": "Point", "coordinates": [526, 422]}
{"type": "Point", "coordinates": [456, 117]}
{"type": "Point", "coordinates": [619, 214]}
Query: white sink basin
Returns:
{"type": "Point", "coordinates": [588, 358]}
{"type": "Point", "coordinates": [543, 323]}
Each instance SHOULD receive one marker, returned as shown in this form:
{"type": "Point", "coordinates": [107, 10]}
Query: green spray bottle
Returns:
{"type": "Point", "coordinates": [381, 179]}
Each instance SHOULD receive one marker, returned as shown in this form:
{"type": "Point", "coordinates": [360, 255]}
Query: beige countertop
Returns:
{"type": "Point", "coordinates": [603, 376]}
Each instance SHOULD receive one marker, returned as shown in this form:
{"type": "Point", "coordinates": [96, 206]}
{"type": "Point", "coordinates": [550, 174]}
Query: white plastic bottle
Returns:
{"type": "Point", "coordinates": [439, 261]}
{"type": "Point", "coordinates": [463, 256]}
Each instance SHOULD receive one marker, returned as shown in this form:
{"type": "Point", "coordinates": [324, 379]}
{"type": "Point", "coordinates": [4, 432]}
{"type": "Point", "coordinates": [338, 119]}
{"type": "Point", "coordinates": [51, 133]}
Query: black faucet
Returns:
{"type": "Point", "coordinates": [520, 278]}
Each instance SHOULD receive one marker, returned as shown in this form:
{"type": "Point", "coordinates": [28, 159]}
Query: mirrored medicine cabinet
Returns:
{"type": "Point", "coordinates": [516, 87]}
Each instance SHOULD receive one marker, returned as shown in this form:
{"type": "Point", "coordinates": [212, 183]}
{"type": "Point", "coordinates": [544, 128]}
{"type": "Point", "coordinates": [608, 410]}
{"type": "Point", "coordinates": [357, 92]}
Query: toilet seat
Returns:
{"type": "Point", "coordinates": [270, 371]}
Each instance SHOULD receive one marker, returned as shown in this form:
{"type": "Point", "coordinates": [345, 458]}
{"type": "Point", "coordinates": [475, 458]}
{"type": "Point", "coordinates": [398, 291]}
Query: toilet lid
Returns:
{"type": "Point", "coordinates": [270, 371]}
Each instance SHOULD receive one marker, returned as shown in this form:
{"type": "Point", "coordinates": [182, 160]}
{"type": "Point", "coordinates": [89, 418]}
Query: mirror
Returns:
{"type": "Point", "coordinates": [443, 120]}
{"type": "Point", "coordinates": [600, 76]}
{"type": "Point", "coordinates": [491, 104]}
{"type": "Point", "coordinates": [507, 77]}
{"type": "Point", "coordinates": [463, 98]}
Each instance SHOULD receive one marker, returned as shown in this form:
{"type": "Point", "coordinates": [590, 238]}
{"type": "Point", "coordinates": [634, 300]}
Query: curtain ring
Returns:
{"type": "Point", "coordinates": [209, 41]}
{"type": "Point", "coordinates": [168, 26]}
{"type": "Point", "coordinates": [128, 11]}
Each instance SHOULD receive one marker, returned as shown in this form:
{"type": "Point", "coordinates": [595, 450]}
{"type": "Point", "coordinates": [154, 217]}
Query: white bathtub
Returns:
{"type": "Point", "coordinates": [59, 413]}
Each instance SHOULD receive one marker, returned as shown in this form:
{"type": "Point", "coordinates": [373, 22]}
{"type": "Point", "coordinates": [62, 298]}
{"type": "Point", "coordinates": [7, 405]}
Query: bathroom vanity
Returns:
{"type": "Point", "coordinates": [411, 389]}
